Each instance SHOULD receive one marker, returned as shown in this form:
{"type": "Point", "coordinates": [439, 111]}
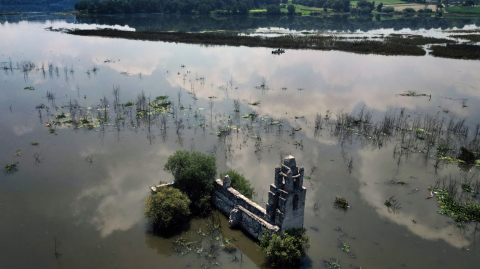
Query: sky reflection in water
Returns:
{"type": "Point", "coordinates": [102, 202]}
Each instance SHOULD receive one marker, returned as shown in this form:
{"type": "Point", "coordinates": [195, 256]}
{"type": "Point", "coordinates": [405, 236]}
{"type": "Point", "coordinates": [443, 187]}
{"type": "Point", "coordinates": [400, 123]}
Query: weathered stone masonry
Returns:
{"type": "Point", "coordinates": [284, 210]}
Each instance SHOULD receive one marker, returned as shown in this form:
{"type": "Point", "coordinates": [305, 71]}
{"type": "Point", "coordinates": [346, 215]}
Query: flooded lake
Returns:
{"type": "Point", "coordinates": [87, 186]}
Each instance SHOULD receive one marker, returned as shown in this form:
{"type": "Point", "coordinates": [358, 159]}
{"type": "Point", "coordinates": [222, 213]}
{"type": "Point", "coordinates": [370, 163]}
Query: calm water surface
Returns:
{"type": "Point", "coordinates": [87, 187]}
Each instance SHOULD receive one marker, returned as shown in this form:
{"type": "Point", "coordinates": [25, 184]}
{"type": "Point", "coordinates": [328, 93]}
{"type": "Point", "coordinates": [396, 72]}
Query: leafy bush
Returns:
{"type": "Point", "coordinates": [240, 183]}
{"type": "Point", "coordinates": [284, 249]}
{"type": "Point", "coordinates": [428, 10]}
{"type": "Point", "coordinates": [409, 10]}
{"type": "Point", "coordinates": [167, 207]}
{"type": "Point", "coordinates": [364, 6]}
{"type": "Point", "coordinates": [388, 9]}
{"type": "Point", "coordinates": [194, 174]}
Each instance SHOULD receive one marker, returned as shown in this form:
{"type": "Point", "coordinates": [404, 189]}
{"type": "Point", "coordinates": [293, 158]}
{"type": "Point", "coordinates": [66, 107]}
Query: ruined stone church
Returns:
{"type": "Point", "coordinates": [285, 208]}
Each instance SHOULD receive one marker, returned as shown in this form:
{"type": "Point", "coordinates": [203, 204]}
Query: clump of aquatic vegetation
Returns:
{"type": "Point", "coordinates": [332, 264]}
{"type": "Point", "coordinates": [61, 116]}
{"type": "Point", "coordinates": [466, 212]}
{"type": "Point", "coordinates": [29, 88]}
{"type": "Point", "coordinates": [413, 93]}
{"type": "Point", "coordinates": [341, 202]}
{"type": "Point", "coordinates": [457, 51]}
{"type": "Point", "coordinates": [34, 143]}
{"type": "Point", "coordinates": [473, 38]}
{"type": "Point", "coordinates": [345, 247]}
{"type": "Point", "coordinates": [251, 115]}
{"type": "Point", "coordinates": [392, 204]}
{"type": "Point", "coordinates": [10, 168]}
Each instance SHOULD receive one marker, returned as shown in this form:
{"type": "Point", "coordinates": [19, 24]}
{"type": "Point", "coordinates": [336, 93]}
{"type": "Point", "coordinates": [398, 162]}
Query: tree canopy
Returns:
{"type": "Point", "coordinates": [240, 183]}
{"type": "Point", "coordinates": [286, 248]}
{"type": "Point", "coordinates": [169, 6]}
{"type": "Point", "coordinates": [167, 207]}
{"type": "Point", "coordinates": [194, 174]}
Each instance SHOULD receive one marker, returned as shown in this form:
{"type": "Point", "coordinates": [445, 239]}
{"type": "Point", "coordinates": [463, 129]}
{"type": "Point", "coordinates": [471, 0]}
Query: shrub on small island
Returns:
{"type": "Point", "coordinates": [388, 9]}
{"type": "Point", "coordinates": [194, 174]}
{"type": "Point", "coordinates": [409, 10]}
{"type": "Point", "coordinates": [167, 207]}
{"type": "Point", "coordinates": [240, 183]}
{"type": "Point", "coordinates": [285, 249]}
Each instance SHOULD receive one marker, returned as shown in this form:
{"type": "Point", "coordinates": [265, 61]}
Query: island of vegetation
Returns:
{"type": "Point", "coordinates": [190, 195]}
{"type": "Point", "coordinates": [386, 45]}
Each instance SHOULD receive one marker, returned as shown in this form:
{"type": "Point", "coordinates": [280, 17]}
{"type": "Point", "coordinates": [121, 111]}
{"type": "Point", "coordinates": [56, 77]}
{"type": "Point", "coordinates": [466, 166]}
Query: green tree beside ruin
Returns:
{"type": "Point", "coordinates": [167, 207]}
{"type": "Point", "coordinates": [286, 248]}
{"type": "Point", "coordinates": [194, 174]}
{"type": "Point", "coordinates": [239, 183]}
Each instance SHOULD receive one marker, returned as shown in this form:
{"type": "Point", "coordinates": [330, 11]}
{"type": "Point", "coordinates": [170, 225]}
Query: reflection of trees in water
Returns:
{"type": "Point", "coordinates": [149, 22]}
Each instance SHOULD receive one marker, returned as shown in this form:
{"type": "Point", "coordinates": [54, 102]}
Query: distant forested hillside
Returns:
{"type": "Point", "coordinates": [16, 6]}
{"type": "Point", "coordinates": [170, 6]}
{"type": "Point", "coordinates": [39, 2]}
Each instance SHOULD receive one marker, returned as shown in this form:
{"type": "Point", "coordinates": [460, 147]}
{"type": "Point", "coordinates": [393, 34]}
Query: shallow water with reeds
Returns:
{"type": "Point", "coordinates": [372, 128]}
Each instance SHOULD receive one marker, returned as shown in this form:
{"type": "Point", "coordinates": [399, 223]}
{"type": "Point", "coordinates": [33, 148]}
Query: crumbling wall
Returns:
{"type": "Point", "coordinates": [285, 208]}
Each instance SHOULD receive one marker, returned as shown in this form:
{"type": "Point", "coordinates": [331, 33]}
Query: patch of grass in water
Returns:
{"type": "Point", "coordinates": [129, 104]}
{"type": "Point", "coordinates": [250, 116]}
{"type": "Point", "coordinates": [34, 144]}
{"type": "Point", "coordinates": [29, 88]}
{"type": "Point", "coordinates": [341, 202]}
{"type": "Point", "coordinates": [473, 38]}
{"type": "Point", "coordinates": [61, 116]}
{"type": "Point", "coordinates": [163, 97]}
{"type": "Point", "coordinates": [460, 213]}
{"type": "Point", "coordinates": [345, 247]}
{"type": "Point", "coordinates": [10, 168]}
{"type": "Point", "coordinates": [412, 93]}
{"type": "Point", "coordinates": [466, 187]}
{"type": "Point", "coordinates": [457, 51]}
{"type": "Point", "coordinates": [389, 46]}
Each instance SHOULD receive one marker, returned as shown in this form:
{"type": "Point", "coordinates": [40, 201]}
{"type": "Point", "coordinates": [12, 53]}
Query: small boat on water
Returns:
{"type": "Point", "coordinates": [279, 51]}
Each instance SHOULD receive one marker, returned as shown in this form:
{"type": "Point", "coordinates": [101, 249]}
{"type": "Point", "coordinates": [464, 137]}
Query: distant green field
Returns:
{"type": "Point", "coordinates": [473, 10]}
{"type": "Point", "coordinates": [385, 2]}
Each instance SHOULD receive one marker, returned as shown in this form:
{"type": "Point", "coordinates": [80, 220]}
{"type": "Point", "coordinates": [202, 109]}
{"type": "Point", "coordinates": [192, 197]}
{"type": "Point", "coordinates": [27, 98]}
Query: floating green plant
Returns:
{"type": "Point", "coordinates": [9, 168]}
{"type": "Point", "coordinates": [34, 144]}
{"type": "Point", "coordinates": [341, 202]}
{"type": "Point", "coordinates": [61, 116]}
{"type": "Point", "coordinates": [460, 213]}
{"type": "Point", "coordinates": [129, 104]}
{"type": "Point", "coordinates": [29, 88]}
